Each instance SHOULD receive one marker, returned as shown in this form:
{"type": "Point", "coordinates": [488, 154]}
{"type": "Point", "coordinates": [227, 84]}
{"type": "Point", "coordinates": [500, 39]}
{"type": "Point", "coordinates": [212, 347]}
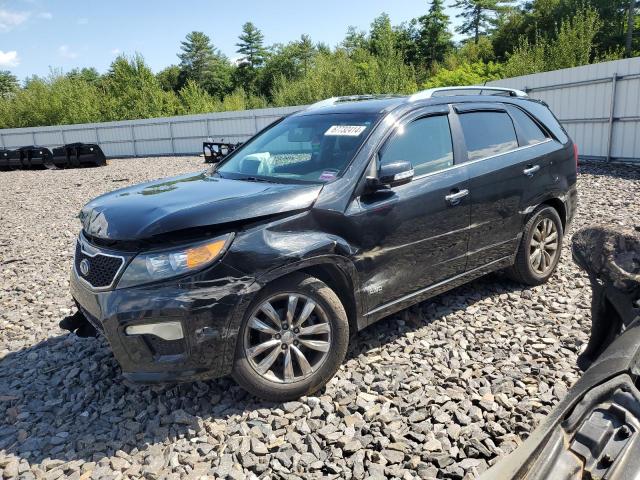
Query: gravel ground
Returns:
{"type": "Point", "coordinates": [441, 390]}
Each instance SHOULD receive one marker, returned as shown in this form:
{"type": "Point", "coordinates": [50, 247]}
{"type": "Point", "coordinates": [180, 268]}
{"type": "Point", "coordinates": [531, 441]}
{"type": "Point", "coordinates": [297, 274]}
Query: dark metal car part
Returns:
{"type": "Point", "coordinates": [216, 151]}
{"type": "Point", "coordinates": [73, 155]}
{"type": "Point", "coordinates": [594, 432]}
{"type": "Point", "coordinates": [611, 258]}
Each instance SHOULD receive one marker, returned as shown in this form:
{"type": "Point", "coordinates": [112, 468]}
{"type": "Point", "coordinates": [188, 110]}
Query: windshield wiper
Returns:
{"type": "Point", "coordinates": [255, 179]}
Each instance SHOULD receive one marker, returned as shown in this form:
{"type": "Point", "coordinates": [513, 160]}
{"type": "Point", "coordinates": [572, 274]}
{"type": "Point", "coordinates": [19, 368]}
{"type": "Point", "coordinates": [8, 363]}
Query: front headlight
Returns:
{"type": "Point", "coordinates": [159, 265]}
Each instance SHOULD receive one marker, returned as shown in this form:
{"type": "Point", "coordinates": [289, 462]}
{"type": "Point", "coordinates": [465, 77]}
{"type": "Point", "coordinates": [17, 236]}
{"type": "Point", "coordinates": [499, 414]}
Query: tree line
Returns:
{"type": "Point", "coordinates": [501, 39]}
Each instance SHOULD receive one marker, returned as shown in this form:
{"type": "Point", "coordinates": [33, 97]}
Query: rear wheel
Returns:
{"type": "Point", "coordinates": [292, 340]}
{"type": "Point", "coordinates": [540, 248]}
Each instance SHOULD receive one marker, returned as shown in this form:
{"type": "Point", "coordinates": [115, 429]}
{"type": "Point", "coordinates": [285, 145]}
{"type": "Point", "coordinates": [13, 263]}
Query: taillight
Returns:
{"type": "Point", "coordinates": [575, 154]}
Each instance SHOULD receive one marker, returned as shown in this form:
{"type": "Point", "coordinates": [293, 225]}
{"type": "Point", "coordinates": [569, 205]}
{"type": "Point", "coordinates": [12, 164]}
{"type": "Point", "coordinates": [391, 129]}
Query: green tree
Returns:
{"type": "Point", "coordinates": [434, 40]}
{"type": "Point", "coordinates": [572, 45]}
{"type": "Point", "coordinates": [196, 55]}
{"type": "Point", "coordinates": [55, 100]}
{"type": "Point", "coordinates": [382, 41]}
{"type": "Point", "coordinates": [8, 83]}
{"type": "Point", "coordinates": [354, 39]}
{"type": "Point", "coordinates": [290, 61]}
{"type": "Point", "coordinates": [133, 91]}
{"type": "Point", "coordinates": [465, 74]}
{"type": "Point", "coordinates": [169, 78]}
{"type": "Point", "coordinates": [201, 62]}
{"type": "Point", "coordinates": [305, 51]}
{"type": "Point", "coordinates": [479, 16]}
{"type": "Point", "coordinates": [407, 42]}
{"type": "Point", "coordinates": [195, 99]}
{"type": "Point", "coordinates": [338, 73]}
{"type": "Point", "coordinates": [89, 75]}
{"type": "Point", "coordinates": [510, 26]}
{"type": "Point", "coordinates": [251, 45]}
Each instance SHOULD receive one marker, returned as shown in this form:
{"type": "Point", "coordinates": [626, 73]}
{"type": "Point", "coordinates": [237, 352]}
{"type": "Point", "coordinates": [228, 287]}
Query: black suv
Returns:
{"type": "Point", "coordinates": [319, 225]}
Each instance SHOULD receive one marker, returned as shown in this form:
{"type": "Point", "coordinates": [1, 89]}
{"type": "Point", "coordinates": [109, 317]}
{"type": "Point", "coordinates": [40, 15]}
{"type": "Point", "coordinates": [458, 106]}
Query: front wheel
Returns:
{"type": "Point", "coordinates": [292, 340]}
{"type": "Point", "coordinates": [540, 248]}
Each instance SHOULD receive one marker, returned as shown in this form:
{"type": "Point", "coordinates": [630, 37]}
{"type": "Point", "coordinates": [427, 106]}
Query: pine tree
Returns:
{"type": "Point", "coordinates": [305, 51]}
{"type": "Point", "coordinates": [8, 83]}
{"type": "Point", "coordinates": [251, 45]}
{"type": "Point", "coordinates": [434, 38]}
{"type": "Point", "coordinates": [201, 62]}
{"type": "Point", "coordinates": [197, 54]}
{"type": "Point", "coordinates": [479, 15]}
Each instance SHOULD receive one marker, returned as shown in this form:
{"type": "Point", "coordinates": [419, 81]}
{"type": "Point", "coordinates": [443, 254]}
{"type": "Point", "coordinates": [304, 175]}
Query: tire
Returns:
{"type": "Point", "coordinates": [328, 318]}
{"type": "Point", "coordinates": [522, 270]}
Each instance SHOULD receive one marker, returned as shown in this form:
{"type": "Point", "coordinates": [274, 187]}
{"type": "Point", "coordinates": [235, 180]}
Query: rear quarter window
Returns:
{"type": "Point", "coordinates": [529, 131]}
{"type": "Point", "coordinates": [487, 133]}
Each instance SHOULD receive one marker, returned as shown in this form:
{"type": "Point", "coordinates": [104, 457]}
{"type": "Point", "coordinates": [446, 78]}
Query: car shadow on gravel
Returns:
{"type": "Point", "coordinates": [65, 399]}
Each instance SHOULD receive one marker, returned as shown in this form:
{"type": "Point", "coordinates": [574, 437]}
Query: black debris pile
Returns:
{"type": "Point", "coordinates": [32, 157]}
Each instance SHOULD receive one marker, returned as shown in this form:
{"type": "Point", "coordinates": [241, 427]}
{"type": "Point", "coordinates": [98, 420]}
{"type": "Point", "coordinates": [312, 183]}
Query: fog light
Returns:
{"type": "Point", "coordinates": [164, 330]}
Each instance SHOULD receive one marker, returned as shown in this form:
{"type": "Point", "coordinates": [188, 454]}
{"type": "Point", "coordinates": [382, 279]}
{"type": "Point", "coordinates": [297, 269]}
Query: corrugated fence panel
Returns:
{"type": "Point", "coordinates": [118, 149]}
{"type": "Point", "coordinates": [581, 98]}
{"type": "Point", "coordinates": [115, 134]}
{"type": "Point", "coordinates": [149, 148]}
{"type": "Point", "coordinates": [191, 128]}
{"type": "Point", "coordinates": [88, 135]}
{"type": "Point", "coordinates": [19, 139]}
{"type": "Point", "coordinates": [49, 138]}
{"type": "Point", "coordinates": [151, 131]}
{"type": "Point", "coordinates": [155, 136]}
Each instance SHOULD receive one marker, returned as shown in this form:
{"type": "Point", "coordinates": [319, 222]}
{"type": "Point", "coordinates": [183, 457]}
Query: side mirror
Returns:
{"type": "Point", "coordinates": [395, 173]}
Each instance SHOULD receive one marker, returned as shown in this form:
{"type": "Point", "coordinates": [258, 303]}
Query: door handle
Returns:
{"type": "Point", "coordinates": [455, 196]}
{"type": "Point", "coordinates": [530, 170]}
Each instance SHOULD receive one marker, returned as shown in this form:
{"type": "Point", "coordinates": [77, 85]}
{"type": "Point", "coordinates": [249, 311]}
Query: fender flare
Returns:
{"type": "Point", "coordinates": [232, 329]}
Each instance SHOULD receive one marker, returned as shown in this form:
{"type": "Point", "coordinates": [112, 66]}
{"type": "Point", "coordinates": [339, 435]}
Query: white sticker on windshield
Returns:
{"type": "Point", "coordinates": [345, 130]}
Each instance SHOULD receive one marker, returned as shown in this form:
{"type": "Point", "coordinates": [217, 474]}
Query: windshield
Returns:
{"type": "Point", "coordinates": [309, 148]}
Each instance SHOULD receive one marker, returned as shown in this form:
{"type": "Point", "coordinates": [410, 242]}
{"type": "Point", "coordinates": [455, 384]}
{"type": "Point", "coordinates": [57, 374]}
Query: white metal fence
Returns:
{"type": "Point", "coordinates": [598, 104]}
{"type": "Point", "coordinates": [156, 136]}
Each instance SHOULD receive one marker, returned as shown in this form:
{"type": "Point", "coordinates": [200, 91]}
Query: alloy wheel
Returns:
{"type": "Point", "coordinates": [287, 338]}
{"type": "Point", "coordinates": [544, 245]}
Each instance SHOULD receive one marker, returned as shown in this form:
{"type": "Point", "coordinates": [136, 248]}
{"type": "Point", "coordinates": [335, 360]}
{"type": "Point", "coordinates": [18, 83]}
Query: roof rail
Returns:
{"type": "Point", "coordinates": [425, 94]}
{"type": "Point", "coordinates": [347, 98]}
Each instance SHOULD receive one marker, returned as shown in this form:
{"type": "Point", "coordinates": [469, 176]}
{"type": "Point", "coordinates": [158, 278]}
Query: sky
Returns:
{"type": "Point", "coordinates": [38, 35]}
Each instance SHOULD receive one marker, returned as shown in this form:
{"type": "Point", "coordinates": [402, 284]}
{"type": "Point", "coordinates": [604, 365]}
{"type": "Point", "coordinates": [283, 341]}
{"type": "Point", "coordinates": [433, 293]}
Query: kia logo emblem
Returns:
{"type": "Point", "coordinates": [84, 267]}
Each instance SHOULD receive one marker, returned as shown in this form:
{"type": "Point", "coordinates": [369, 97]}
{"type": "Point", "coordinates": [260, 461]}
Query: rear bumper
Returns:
{"type": "Point", "coordinates": [204, 310]}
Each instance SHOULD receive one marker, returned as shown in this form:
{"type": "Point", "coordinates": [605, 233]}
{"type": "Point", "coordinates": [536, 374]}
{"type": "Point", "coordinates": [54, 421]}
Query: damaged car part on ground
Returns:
{"type": "Point", "coordinates": [320, 225]}
{"type": "Point", "coordinates": [594, 433]}
{"type": "Point", "coordinates": [72, 155]}
{"type": "Point", "coordinates": [215, 151]}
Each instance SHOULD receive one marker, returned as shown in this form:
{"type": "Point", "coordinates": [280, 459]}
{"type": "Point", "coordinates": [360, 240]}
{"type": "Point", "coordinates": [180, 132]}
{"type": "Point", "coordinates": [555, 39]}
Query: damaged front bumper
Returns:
{"type": "Point", "coordinates": [170, 332]}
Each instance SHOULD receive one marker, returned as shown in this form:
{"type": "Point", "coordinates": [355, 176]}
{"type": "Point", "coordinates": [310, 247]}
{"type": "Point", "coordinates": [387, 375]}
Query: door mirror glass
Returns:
{"type": "Point", "coordinates": [395, 173]}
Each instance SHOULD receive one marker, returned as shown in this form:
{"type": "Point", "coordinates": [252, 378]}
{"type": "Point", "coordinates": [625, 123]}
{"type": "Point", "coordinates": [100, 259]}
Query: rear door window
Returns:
{"type": "Point", "coordinates": [488, 133]}
{"type": "Point", "coordinates": [425, 142]}
{"type": "Point", "coordinates": [530, 132]}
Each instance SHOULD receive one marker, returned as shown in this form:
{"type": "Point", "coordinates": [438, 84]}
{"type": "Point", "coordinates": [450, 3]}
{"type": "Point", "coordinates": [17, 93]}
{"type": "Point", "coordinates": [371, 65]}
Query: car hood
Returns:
{"type": "Point", "coordinates": [189, 201]}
